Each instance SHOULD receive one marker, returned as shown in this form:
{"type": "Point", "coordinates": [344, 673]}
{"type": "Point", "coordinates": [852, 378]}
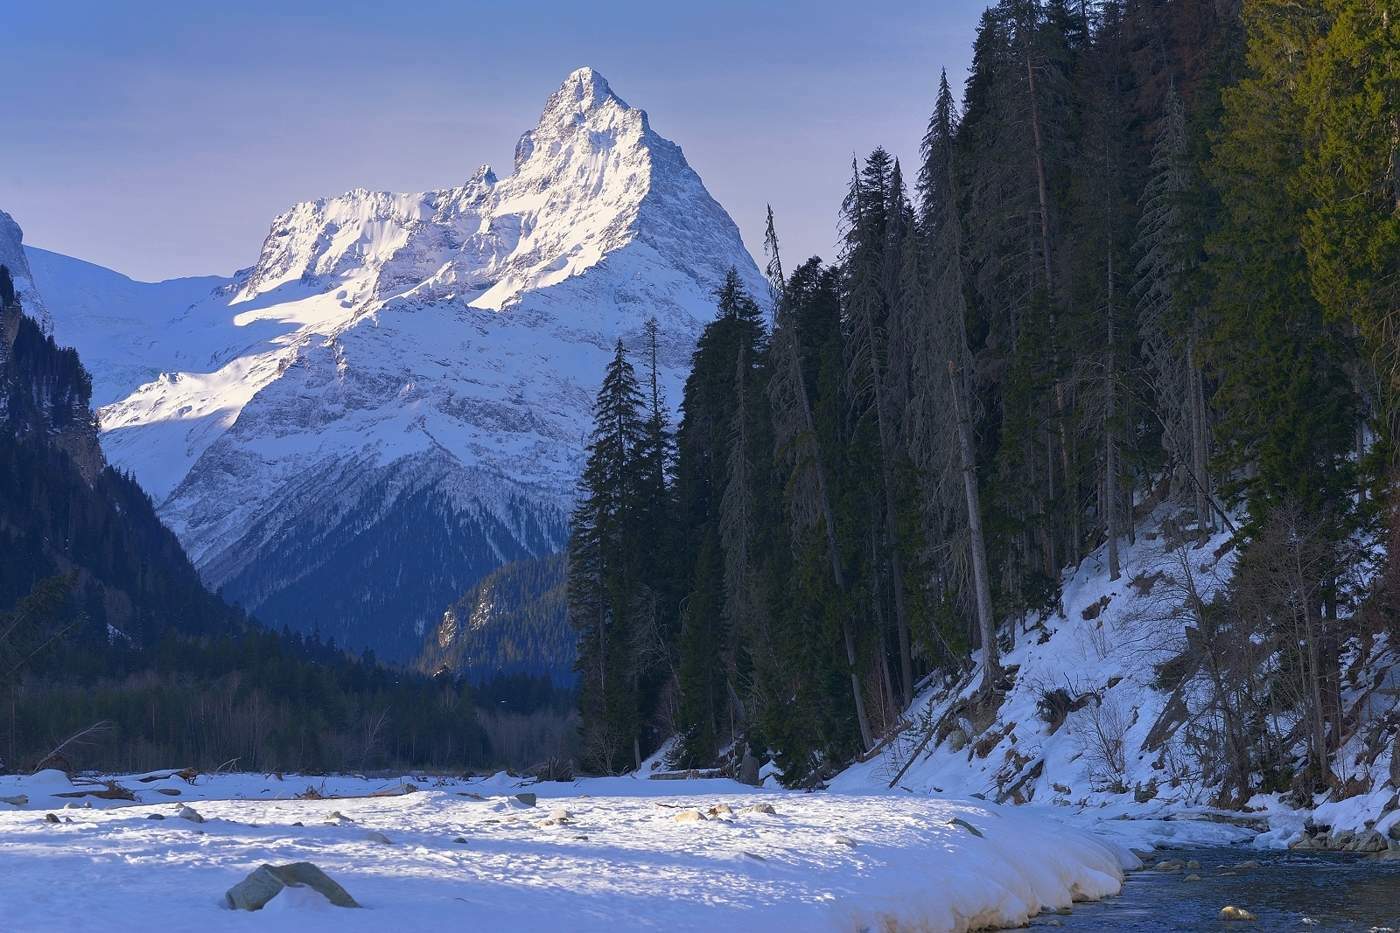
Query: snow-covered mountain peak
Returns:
{"type": "Point", "coordinates": [416, 364]}
{"type": "Point", "coordinates": [583, 90]}
{"type": "Point", "coordinates": [583, 181]}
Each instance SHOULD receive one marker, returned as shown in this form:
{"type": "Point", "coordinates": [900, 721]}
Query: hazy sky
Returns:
{"type": "Point", "coordinates": [160, 139]}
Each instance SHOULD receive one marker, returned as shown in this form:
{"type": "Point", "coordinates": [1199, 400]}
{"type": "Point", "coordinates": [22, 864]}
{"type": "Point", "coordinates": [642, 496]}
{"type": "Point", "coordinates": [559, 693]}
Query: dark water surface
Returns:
{"type": "Point", "coordinates": [1288, 891]}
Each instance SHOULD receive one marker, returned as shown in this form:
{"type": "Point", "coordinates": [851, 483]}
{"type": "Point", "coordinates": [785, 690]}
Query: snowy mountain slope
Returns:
{"type": "Point", "coordinates": [13, 257]}
{"type": "Point", "coordinates": [116, 323]}
{"type": "Point", "coordinates": [1089, 726]}
{"type": "Point", "coordinates": [394, 398]}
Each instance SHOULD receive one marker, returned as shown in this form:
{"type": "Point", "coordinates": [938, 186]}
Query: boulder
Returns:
{"type": "Point", "coordinates": [528, 800]}
{"type": "Point", "coordinates": [155, 816]}
{"type": "Point", "coordinates": [168, 791]}
{"type": "Point", "coordinates": [1231, 912]}
{"type": "Point", "coordinates": [50, 818]}
{"type": "Point", "coordinates": [18, 800]}
{"type": "Point", "coordinates": [957, 740]}
{"type": "Point", "coordinates": [761, 808]}
{"type": "Point", "coordinates": [376, 836]}
{"type": "Point", "coordinates": [253, 892]}
{"type": "Point", "coordinates": [1368, 841]}
{"type": "Point", "coordinates": [190, 813]}
{"type": "Point", "coordinates": [1192, 877]}
{"type": "Point", "coordinates": [748, 770]}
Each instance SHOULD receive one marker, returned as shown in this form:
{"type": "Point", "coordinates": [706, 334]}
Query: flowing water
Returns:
{"type": "Point", "coordinates": [1288, 891]}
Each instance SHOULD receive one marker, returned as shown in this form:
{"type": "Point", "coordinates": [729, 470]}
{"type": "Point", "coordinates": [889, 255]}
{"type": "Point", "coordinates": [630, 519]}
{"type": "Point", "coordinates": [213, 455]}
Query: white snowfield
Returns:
{"type": "Point", "coordinates": [599, 854]}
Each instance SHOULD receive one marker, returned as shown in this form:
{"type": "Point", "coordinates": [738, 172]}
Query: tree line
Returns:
{"type": "Point", "coordinates": [1150, 255]}
{"type": "Point", "coordinates": [113, 655]}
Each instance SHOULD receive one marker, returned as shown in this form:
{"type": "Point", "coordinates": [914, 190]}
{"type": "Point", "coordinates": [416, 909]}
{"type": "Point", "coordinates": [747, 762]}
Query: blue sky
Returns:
{"type": "Point", "coordinates": [161, 138]}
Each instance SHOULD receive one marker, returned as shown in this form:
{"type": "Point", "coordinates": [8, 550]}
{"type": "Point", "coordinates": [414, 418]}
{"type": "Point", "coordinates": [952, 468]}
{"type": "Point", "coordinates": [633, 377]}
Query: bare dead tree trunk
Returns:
{"type": "Point", "coordinates": [789, 348]}
{"type": "Point", "coordinates": [1111, 482]}
{"type": "Point", "coordinates": [1199, 442]}
{"type": "Point", "coordinates": [986, 628]}
{"type": "Point", "coordinates": [901, 611]}
{"type": "Point", "coordinates": [1045, 252]}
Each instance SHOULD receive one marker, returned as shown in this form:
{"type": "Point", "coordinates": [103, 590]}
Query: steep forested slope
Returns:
{"type": "Point", "coordinates": [512, 622]}
{"type": "Point", "coordinates": [1109, 291]}
{"type": "Point", "coordinates": [106, 629]}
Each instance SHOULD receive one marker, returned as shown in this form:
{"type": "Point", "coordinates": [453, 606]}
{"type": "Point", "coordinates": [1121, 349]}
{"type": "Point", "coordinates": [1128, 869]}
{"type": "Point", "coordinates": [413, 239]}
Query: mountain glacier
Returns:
{"type": "Point", "coordinates": [394, 399]}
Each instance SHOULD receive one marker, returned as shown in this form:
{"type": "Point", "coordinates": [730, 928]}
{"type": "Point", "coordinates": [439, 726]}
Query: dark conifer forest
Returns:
{"type": "Point", "coordinates": [1151, 254]}
{"type": "Point", "coordinates": [113, 654]}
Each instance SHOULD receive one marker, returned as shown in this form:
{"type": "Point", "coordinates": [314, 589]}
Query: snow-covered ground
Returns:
{"type": "Point", "coordinates": [1121, 757]}
{"type": "Point", "coordinates": [598, 854]}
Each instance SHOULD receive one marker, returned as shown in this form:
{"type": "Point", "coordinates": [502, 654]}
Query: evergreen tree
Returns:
{"type": "Point", "coordinates": [605, 588]}
{"type": "Point", "coordinates": [1168, 319]}
{"type": "Point", "coordinates": [721, 598]}
{"type": "Point", "coordinates": [939, 415]}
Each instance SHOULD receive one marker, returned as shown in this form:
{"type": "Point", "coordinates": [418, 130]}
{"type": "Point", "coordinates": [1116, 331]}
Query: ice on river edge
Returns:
{"type": "Point", "coordinates": [618, 859]}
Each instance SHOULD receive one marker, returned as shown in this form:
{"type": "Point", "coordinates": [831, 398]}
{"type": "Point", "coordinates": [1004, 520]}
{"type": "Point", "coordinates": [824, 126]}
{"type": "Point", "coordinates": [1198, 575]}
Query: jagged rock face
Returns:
{"type": "Point", "coordinates": [395, 398]}
{"type": "Point", "coordinates": [12, 257]}
{"type": "Point", "coordinates": [44, 390]}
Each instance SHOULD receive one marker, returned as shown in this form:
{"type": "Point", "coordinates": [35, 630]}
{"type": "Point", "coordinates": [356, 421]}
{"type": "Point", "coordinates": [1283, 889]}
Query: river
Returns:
{"type": "Point", "coordinates": [1288, 891]}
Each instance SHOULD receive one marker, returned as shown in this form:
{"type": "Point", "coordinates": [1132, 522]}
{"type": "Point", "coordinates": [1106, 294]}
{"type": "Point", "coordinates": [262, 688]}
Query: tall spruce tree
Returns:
{"type": "Point", "coordinates": [606, 595]}
{"type": "Point", "coordinates": [939, 416]}
{"type": "Point", "coordinates": [706, 459]}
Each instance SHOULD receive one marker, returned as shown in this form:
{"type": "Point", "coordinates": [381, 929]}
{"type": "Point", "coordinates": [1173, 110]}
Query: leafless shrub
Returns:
{"type": "Point", "coordinates": [89, 735]}
{"type": "Point", "coordinates": [542, 736]}
{"type": "Point", "coordinates": [1100, 731]}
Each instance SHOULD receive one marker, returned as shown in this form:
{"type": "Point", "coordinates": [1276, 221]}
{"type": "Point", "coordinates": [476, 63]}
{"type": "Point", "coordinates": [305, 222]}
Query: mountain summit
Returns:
{"type": "Point", "coordinates": [393, 400]}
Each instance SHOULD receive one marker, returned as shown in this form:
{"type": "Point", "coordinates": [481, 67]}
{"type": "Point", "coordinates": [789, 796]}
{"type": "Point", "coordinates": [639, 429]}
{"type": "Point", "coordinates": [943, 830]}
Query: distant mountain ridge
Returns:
{"type": "Point", "coordinates": [513, 621]}
{"type": "Point", "coordinates": [393, 400]}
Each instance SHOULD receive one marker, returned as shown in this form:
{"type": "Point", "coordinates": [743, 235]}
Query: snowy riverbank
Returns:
{"type": "Point", "coordinates": [598, 854]}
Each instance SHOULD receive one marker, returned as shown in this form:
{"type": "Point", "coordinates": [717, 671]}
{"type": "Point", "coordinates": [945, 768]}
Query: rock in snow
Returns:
{"type": "Point", "coordinates": [253, 892]}
{"type": "Point", "coordinates": [416, 368]}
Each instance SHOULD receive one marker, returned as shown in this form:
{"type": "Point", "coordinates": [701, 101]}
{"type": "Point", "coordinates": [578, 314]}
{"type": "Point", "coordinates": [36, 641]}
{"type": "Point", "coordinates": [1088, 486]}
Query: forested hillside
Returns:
{"type": "Point", "coordinates": [112, 652]}
{"type": "Point", "coordinates": [1150, 260]}
{"type": "Point", "coordinates": [512, 622]}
